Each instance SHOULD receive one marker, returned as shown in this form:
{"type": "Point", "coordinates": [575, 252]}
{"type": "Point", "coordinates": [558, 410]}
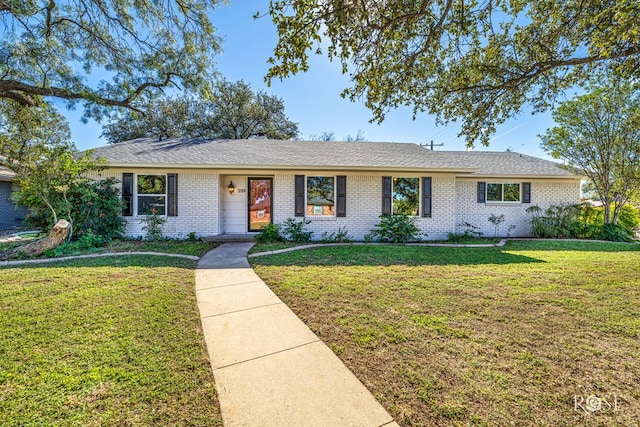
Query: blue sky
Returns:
{"type": "Point", "coordinates": [313, 99]}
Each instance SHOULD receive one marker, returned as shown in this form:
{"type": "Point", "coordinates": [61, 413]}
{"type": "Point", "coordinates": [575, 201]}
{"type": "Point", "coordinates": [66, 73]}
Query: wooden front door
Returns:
{"type": "Point", "coordinates": [260, 203]}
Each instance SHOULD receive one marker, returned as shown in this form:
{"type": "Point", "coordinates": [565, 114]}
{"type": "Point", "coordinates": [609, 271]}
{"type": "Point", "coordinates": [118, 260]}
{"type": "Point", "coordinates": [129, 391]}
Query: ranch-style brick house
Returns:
{"type": "Point", "coordinates": [234, 187]}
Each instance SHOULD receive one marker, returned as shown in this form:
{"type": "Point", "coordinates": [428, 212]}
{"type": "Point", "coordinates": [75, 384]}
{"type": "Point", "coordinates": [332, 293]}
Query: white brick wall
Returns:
{"type": "Point", "coordinates": [198, 201]}
{"type": "Point", "coordinates": [364, 206]}
{"type": "Point", "coordinates": [453, 202]}
{"type": "Point", "coordinates": [544, 193]}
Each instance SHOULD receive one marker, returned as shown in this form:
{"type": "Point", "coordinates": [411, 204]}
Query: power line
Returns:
{"type": "Point", "coordinates": [431, 144]}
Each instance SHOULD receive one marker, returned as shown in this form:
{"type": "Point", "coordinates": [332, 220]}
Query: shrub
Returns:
{"type": "Point", "coordinates": [396, 229]}
{"type": "Point", "coordinates": [615, 233]}
{"type": "Point", "coordinates": [465, 236]}
{"type": "Point", "coordinates": [470, 233]}
{"type": "Point", "coordinates": [583, 222]}
{"type": "Point", "coordinates": [295, 230]}
{"type": "Point", "coordinates": [87, 241]}
{"type": "Point", "coordinates": [630, 219]}
{"type": "Point", "coordinates": [95, 206]}
{"type": "Point", "coordinates": [99, 212]}
{"type": "Point", "coordinates": [341, 236]}
{"type": "Point", "coordinates": [561, 221]}
{"type": "Point", "coordinates": [270, 233]}
{"type": "Point", "coordinates": [496, 220]}
{"type": "Point", "coordinates": [152, 225]}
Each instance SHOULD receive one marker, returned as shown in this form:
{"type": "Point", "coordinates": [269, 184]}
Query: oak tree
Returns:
{"type": "Point", "coordinates": [599, 134]}
{"type": "Point", "coordinates": [231, 111]}
{"type": "Point", "coordinates": [103, 53]}
{"type": "Point", "coordinates": [477, 61]}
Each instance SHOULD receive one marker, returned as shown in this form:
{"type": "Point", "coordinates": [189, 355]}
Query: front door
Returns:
{"type": "Point", "coordinates": [260, 190]}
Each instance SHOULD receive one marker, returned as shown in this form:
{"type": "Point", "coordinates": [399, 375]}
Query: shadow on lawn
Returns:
{"type": "Point", "coordinates": [571, 245]}
{"type": "Point", "coordinates": [394, 255]}
{"type": "Point", "coordinates": [120, 261]}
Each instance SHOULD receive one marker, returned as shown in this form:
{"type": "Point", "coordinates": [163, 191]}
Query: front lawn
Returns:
{"type": "Point", "coordinates": [104, 342]}
{"type": "Point", "coordinates": [520, 335]}
{"type": "Point", "coordinates": [183, 247]}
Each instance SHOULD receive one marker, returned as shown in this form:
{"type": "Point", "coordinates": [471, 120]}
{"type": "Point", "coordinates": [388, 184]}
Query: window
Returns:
{"type": "Point", "coordinates": [152, 194]}
{"type": "Point", "coordinates": [320, 196]}
{"type": "Point", "coordinates": [503, 192]}
{"type": "Point", "coordinates": [401, 196]}
{"type": "Point", "coordinates": [406, 196]}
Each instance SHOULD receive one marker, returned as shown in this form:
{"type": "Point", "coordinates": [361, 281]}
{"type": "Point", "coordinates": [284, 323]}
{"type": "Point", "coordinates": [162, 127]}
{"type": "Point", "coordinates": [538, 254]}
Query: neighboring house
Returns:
{"type": "Point", "coordinates": [10, 216]}
{"type": "Point", "coordinates": [218, 187]}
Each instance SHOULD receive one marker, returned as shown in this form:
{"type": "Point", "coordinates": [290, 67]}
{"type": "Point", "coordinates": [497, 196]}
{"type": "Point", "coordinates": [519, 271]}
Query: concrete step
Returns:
{"type": "Point", "coordinates": [224, 238]}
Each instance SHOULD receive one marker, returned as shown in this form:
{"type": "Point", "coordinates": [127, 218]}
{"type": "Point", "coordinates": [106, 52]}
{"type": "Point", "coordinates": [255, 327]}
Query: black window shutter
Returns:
{"type": "Point", "coordinates": [426, 196]}
{"type": "Point", "coordinates": [482, 192]}
{"type": "Point", "coordinates": [387, 194]}
{"type": "Point", "coordinates": [299, 193]}
{"type": "Point", "coordinates": [526, 192]}
{"type": "Point", "coordinates": [127, 194]}
{"type": "Point", "coordinates": [341, 193]}
{"type": "Point", "coordinates": [172, 194]}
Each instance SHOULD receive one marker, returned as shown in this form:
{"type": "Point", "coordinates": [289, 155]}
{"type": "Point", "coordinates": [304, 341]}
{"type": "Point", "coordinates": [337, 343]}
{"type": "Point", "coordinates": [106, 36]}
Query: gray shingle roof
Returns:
{"type": "Point", "coordinates": [277, 154]}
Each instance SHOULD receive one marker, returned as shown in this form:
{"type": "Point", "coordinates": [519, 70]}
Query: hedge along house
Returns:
{"type": "Point", "coordinates": [234, 187]}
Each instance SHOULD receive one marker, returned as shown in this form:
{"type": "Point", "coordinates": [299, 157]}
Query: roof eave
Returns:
{"type": "Point", "coordinates": [522, 176]}
{"type": "Point", "coordinates": [288, 167]}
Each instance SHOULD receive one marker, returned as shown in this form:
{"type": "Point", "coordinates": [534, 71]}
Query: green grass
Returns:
{"type": "Point", "coordinates": [104, 342]}
{"type": "Point", "coordinates": [267, 247]}
{"type": "Point", "coordinates": [183, 247]}
{"type": "Point", "coordinates": [477, 336]}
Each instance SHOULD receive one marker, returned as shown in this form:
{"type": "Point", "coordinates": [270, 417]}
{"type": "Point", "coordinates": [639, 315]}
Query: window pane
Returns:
{"type": "Point", "coordinates": [406, 196]}
{"type": "Point", "coordinates": [152, 184]}
{"type": "Point", "coordinates": [320, 195]}
{"type": "Point", "coordinates": [147, 205]}
{"type": "Point", "coordinates": [511, 192]}
{"type": "Point", "coordinates": [494, 192]}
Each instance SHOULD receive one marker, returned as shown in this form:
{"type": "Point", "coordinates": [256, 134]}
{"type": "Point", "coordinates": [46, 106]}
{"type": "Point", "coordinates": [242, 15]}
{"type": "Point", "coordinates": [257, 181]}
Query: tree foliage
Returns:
{"type": "Point", "coordinates": [331, 136]}
{"type": "Point", "coordinates": [232, 111]}
{"type": "Point", "coordinates": [599, 134]}
{"type": "Point", "coordinates": [478, 61]}
{"type": "Point", "coordinates": [35, 144]}
{"type": "Point", "coordinates": [103, 53]}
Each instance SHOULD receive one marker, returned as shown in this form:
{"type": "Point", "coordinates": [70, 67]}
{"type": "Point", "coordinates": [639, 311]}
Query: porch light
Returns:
{"type": "Point", "coordinates": [231, 187]}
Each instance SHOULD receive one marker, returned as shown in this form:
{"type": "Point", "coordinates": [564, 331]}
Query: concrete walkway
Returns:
{"type": "Point", "coordinates": [269, 368]}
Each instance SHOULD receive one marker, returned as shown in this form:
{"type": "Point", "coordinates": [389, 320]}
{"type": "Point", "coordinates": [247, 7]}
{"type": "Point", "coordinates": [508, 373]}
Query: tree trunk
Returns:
{"type": "Point", "coordinates": [607, 210]}
{"type": "Point", "coordinates": [56, 236]}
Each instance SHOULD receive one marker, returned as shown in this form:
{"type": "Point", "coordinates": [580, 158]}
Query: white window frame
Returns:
{"type": "Point", "coordinates": [137, 195]}
{"type": "Point", "coordinates": [502, 200]}
{"type": "Point", "coordinates": [306, 196]}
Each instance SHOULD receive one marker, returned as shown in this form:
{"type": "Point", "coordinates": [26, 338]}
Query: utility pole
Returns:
{"type": "Point", "coordinates": [431, 144]}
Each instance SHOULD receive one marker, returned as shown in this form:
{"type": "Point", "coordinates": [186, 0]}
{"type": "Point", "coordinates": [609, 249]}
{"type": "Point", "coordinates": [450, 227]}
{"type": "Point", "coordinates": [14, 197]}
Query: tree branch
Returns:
{"type": "Point", "coordinates": [25, 94]}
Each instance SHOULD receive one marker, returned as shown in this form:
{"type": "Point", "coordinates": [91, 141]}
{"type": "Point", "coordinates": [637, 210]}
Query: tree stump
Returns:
{"type": "Point", "coordinates": [56, 237]}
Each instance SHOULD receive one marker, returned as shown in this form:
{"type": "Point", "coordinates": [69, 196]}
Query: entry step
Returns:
{"type": "Point", "coordinates": [223, 238]}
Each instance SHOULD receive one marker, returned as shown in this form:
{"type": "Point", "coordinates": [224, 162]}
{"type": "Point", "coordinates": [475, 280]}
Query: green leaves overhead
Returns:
{"type": "Point", "coordinates": [103, 53]}
{"type": "Point", "coordinates": [475, 61]}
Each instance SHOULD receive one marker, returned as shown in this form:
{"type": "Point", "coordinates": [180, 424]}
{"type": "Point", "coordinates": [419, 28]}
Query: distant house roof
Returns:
{"type": "Point", "coordinates": [317, 155]}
